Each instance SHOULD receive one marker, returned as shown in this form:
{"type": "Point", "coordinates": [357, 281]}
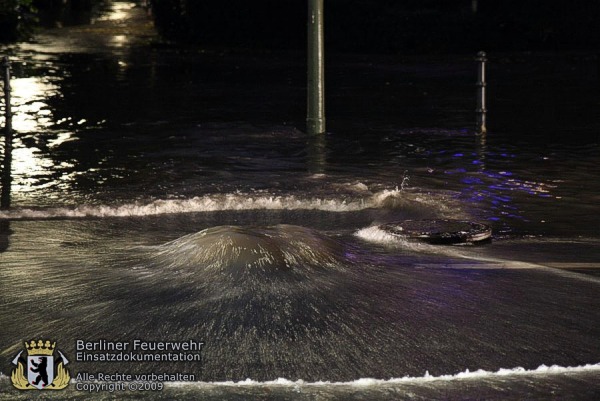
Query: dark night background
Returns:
{"type": "Point", "coordinates": [364, 26]}
{"type": "Point", "coordinates": [389, 26]}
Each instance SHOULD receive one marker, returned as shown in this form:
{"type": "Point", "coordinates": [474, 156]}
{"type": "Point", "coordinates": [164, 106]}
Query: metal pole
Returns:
{"type": "Point", "coordinates": [315, 116]}
{"type": "Point", "coordinates": [481, 110]}
{"type": "Point", "coordinates": [8, 134]}
{"type": "Point", "coordinates": [316, 149]}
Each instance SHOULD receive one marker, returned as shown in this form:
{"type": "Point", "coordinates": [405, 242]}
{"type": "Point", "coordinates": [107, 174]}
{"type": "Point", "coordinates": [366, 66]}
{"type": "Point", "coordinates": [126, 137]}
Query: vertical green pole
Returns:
{"type": "Point", "coordinates": [6, 172]}
{"type": "Point", "coordinates": [315, 117]}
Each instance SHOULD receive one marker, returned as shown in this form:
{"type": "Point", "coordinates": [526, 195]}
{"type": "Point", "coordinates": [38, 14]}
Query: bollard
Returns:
{"type": "Point", "coordinates": [315, 115]}
{"type": "Point", "coordinates": [8, 133]}
{"type": "Point", "coordinates": [481, 110]}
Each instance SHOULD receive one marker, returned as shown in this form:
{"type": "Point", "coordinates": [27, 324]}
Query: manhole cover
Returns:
{"type": "Point", "coordinates": [439, 231]}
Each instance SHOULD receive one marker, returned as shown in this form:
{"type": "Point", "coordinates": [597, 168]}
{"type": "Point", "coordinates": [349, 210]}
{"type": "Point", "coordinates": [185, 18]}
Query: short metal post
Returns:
{"type": "Point", "coordinates": [315, 116]}
{"type": "Point", "coordinates": [481, 110]}
{"type": "Point", "coordinates": [8, 134]}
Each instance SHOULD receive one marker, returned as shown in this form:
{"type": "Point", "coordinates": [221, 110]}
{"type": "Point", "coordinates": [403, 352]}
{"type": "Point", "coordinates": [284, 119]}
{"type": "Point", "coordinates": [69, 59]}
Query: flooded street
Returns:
{"type": "Point", "coordinates": [169, 193]}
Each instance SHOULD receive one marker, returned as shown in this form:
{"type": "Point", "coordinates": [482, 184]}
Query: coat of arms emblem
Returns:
{"type": "Point", "coordinates": [41, 369]}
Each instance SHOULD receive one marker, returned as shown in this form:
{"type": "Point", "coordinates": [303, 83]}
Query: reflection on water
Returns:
{"type": "Point", "coordinates": [116, 11]}
{"type": "Point", "coordinates": [30, 102]}
{"type": "Point", "coordinates": [5, 232]}
{"type": "Point", "coordinates": [103, 117]}
{"type": "Point", "coordinates": [30, 169]}
{"type": "Point", "coordinates": [119, 41]}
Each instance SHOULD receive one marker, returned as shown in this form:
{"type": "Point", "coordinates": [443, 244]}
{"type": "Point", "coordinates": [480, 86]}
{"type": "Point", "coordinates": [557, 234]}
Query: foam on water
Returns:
{"type": "Point", "coordinates": [365, 382]}
{"type": "Point", "coordinates": [473, 260]}
{"type": "Point", "coordinates": [211, 203]}
{"type": "Point", "coordinates": [377, 235]}
{"type": "Point", "coordinates": [240, 201]}
{"type": "Point", "coordinates": [368, 382]}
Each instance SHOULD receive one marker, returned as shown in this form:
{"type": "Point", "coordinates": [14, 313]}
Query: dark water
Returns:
{"type": "Point", "coordinates": [169, 193]}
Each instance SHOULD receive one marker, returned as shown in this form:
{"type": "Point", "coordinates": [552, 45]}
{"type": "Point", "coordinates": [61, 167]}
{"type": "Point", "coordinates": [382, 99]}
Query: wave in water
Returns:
{"type": "Point", "coordinates": [364, 382]}
{"type": "Point", "coordinates": [394, 198]}
{"type": "Point", "coordinates": [367, 382]}
{"type": "Point", "coordinates": [232, 250]}
{"type": "Point", "coordinates": [379, 236]}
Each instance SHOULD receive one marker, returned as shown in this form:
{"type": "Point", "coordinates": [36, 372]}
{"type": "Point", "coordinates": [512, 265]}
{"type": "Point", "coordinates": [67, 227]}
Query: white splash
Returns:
{"type": "Point", "coordinates": [211, 203]}
{"type": "Point", "coordinates": [369, 382]}
{"type": "Point", "coordinates": [377, 235]}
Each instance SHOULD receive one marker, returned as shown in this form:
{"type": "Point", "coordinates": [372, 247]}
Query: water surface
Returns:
{"type": "Point", "coordinates": [165, 192]}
